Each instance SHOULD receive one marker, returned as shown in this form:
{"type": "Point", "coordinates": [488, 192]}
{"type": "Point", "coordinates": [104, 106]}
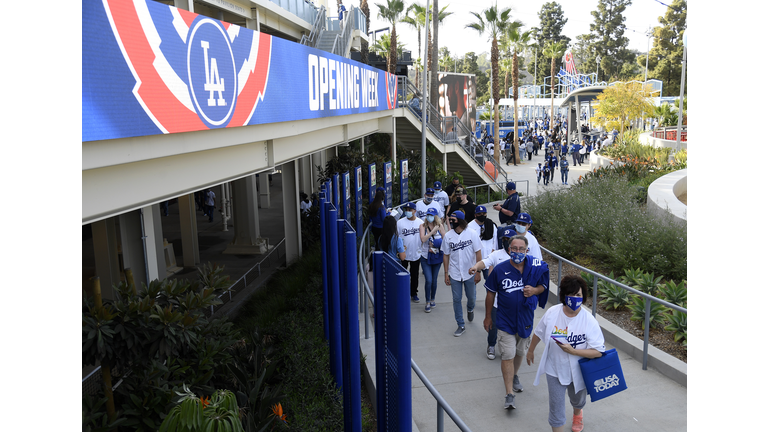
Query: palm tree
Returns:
{"type": "Point", "coordinates": [391, 12]}
{"type": "Point", "coordinates": [518, 42]}
{"type": "Point", "coordinates": [383, 46]}
{"type": "Point", "coordinates": [364, 44]}
{"type": "Point", "coordinates": [415, 17]}
{"type": "Point", "coordinates": [495, 22]}
{"type": "Point", "coordinates": [553, 50]}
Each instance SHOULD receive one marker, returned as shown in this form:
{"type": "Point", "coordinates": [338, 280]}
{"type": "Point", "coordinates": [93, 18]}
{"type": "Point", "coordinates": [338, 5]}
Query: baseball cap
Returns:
{"type": "Point", "coordinates": [458, 214]}
{"type": "Point", "coordinates": [380, 189]}
{"type": "Point", "coordinates": [429, 191]}
{"type": "Point", "coordinates": [432, 211]}
{"type": "Point", "coordinates": [437, 243]}
{"type": "Point", "coordinates": [461, 191]}
{"type": "Point", "coordinates": [438, 185]}
{"type": "Point", "coordinates": [480, 209]}
{"type": "Point", "coordinates": [511, 186]}
{"type": "Point", "coordinates": [525, 218]}
{"type": "Point", "coordinates": [409, 205]}
{"type": "Point", "coordinates": [508, 232]}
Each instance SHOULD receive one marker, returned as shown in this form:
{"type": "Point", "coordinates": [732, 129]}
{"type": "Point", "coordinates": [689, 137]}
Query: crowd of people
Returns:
{"type": "Point", "coordinates": [446, 228]}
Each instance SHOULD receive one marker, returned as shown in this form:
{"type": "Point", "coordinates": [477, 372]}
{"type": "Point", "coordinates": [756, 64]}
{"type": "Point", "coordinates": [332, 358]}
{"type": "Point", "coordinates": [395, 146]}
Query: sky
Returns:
{"type": "Point", "coordinates": [638, 17]}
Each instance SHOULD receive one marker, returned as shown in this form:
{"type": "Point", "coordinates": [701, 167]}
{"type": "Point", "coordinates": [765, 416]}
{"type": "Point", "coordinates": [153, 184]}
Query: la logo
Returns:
{"type": "Point", "coordinates": [213, 83]}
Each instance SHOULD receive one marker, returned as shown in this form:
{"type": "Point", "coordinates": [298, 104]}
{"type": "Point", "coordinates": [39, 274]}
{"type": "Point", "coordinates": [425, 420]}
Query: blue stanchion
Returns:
{"type": "Point", "coordinates": [393, 343]}
{"type": "Point", "coordinates": [350, 336]}
{"type": "Point", "coordinates": [334, 301]}
{"type": "Point", "coordinates": [323, 259]}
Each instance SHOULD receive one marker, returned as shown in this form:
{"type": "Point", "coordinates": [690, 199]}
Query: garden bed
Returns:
{"type": "Point", "coordinates": [661, 339]}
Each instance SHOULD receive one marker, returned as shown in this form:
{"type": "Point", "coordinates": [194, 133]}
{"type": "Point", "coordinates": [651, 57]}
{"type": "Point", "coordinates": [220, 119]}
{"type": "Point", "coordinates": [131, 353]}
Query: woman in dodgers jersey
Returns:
{"type": "Point", "coordinates": [569, 333]}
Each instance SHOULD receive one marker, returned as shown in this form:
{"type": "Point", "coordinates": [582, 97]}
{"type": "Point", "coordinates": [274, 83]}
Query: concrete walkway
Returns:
{"type": "Point", "coordinates": [473, 386]}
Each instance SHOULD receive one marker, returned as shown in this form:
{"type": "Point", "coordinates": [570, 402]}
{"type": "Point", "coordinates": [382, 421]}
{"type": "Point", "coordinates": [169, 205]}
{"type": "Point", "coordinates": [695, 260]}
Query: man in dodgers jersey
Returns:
{"type": "Point", "coordinates": [519, 285]}
{"type": "Point", "coordinates": [429, 202]}
{"type": "Point", "coordinates": [408, 230]}
{"type": "Point", "coordinates": [461, 250]}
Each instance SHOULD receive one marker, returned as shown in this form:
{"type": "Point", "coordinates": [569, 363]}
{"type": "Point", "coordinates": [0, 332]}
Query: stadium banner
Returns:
{"type": "Point", "coordinates": [457, 96]}
{"type": "Point", "coordinates": [149, 68]}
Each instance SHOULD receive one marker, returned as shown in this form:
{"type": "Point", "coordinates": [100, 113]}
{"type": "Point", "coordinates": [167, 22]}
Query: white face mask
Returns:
{"type": "Point", "coordinates": [430, 218]}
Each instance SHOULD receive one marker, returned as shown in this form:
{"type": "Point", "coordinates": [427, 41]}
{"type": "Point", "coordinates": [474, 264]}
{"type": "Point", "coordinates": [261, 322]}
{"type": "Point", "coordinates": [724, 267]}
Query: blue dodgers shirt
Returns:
{"type": "Point", "coordinates": [514, 312]}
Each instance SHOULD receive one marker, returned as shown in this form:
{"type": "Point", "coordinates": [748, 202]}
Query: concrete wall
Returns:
{"type": "Point", "coordinates": [663, 195]}
{"type": "Point", "coordinates": [648, 139]}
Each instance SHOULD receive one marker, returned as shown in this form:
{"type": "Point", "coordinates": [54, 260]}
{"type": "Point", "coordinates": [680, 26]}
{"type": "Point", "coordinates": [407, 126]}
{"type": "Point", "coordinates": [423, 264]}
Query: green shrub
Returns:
{"type": "Point", "coordinates": [658, 312]}
{"type": "Point", "coordinates": [613, 296]}
{"type": "Point", "coordinates": [675, 293]}
{"type": "Point", "coordinates": [678, 323]}
{"type": "Point", "coordinates": [601, 219]}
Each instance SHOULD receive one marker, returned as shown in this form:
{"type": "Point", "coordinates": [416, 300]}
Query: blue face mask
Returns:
{"type": "Point", "coordinates": [428, 199]}
{"type": "Point", "coordinates": [430, 218]}
{"type": "Point", "coordinates": [573, 302]}
{"type": "Point", "coordinates": [409, 214]}
{"type": "Point", "coordinates": [517, 257]}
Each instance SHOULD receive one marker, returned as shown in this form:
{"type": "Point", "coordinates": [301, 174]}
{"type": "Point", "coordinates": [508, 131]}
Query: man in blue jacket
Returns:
{"type": "Point", "coordinates": [518, 286]}
{"type": "Point", "coordinates": [510, 209]}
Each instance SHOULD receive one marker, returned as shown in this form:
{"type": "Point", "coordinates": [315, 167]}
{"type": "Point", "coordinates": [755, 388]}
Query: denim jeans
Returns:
{"type": "Point", "coordinates": [430, 278]}
{"type": "Point", "coordinates": [494, 331]}
{"type": "Point", "coordinates": [564, 175]}
{"type": "Point", "coordinates": [469, 289]}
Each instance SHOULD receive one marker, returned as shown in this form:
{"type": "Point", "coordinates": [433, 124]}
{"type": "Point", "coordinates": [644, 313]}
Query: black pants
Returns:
{"type": "Point", "coordinates": [415, 267]}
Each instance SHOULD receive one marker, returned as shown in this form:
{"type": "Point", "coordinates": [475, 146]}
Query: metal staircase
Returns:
{"type": "Point", "coordinates": [463, 152]}
{"type": "Point", "coordinates": [330, 39]}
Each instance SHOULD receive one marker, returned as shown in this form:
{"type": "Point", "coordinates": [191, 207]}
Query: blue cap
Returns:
{"type": "Point", "coordinates": [511, 186]}
{"type": "Point", "coordinates": [437, 242]}
{"type": "Point", "coordinates": [380, 189]}
{"type": "Point", "coordinates": [409, 205]}
{"type": "Point", "coordinates": [432, 211]}
{"type": "Point", "coordinates": [525, 218]}
{"type": "Point", "coordinates": [480, 209]}
{"type": "Point", "coordinates": [458, 214]}
{"type": "Point", "coordinates": [438, 185]}
{"type": "Point", "coordinates": [508, 232]}
{"type": "Point", "coordinates": [429, 191]}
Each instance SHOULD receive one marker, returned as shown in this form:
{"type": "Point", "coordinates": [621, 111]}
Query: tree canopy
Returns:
{"type": "Point", "coordinates": [606, 39]}
{"type": "Point", "coordinates": [666, 55]}
{"type": "Point", "coordinates": [551, 23]}
{"type": "Point", "coordinates": [621, 103]}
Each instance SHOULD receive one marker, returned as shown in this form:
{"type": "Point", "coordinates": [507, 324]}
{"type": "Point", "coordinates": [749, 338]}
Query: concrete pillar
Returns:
{"type": "Point", "coordinates": [264, 190]}
{"type": "Point", "coordinates": [188, 224]}
{"type": "Point", "coordinates": [105, 252]}
{"type": "Point", "coordinates": [186, 5]}
{"type": "Point", "coordinates": [153, 232]}
{"type": "Point", "coordinates": [306, 175]}
{"type": "Point", "coordinates": [132, 246]}
{"type": "Point", "coordinates": [578, 118]}
{"type": "Point", "coordinates": [291, 212]}
{"type": "Point", "coordinates": [245, 212]}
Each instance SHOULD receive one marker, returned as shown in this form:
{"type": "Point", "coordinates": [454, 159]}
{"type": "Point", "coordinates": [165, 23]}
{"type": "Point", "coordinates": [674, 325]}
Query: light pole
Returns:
{"type": "Point", "coordinates": [682, 92]}
{"type": "Point", "coordinates": [647, 54]}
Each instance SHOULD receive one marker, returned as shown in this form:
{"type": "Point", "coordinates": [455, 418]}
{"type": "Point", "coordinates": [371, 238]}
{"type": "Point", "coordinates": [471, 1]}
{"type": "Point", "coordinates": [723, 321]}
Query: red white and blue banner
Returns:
{"type": "Point", "coordinates": [150, 69]}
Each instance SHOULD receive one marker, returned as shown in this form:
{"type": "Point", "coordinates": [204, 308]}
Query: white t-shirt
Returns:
{"type": "Point", "coordinates": [442, 197]}
{"type": "Point", "coordinates": [581, 331]}
{"type": "Point", "coordinates": [534, 249]}
{"type": "Point", "coordinates": [486, 246]}
{"type": "Point", "coordinates": [408, 230]}
{"type": "Point", "coordinates": [425, 245]}
{"type": "Point", "coordinates": [461, 249]}
{"type": "Point", "coordinates": [421, 209]}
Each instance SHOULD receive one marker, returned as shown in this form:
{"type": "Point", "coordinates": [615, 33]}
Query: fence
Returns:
{"type": "Point", "coordinates": [670, 133]}
{"type": "Point", "coordinates": [342, 330]}
{"type": "Point", "coordinates": [384, 316]}
{"type": "Point", "coordinates": [597, 278]}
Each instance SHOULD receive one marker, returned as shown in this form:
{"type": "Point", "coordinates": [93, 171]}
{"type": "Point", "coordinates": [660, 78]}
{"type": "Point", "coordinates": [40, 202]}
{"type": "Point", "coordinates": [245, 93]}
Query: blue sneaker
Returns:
{"type": "Point", "coordinates": [427, 309]}
{"type": "Point", "coordinates": [432, 304]}
{"type": "Point", "coordinates": [415, 299]}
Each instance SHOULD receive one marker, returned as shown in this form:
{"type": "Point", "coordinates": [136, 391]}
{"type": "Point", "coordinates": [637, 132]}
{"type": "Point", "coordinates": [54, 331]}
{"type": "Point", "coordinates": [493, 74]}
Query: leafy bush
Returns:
{"type": "Point", "coordinates": [658, 312]}
{"type": "Point", "coordinates": [675, 293]}
{"type": "Point", "coordinates": [613, 296]}
{"type": "Point", "coordinates": [601, 219]}
{"type": "Point", "coordinates": [678, 323]}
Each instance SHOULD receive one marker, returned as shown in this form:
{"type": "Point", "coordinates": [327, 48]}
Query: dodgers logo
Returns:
{"type": "Point", "coordinates": [391, 83]}
{"type": "Point", "coordinates": [192, 72]}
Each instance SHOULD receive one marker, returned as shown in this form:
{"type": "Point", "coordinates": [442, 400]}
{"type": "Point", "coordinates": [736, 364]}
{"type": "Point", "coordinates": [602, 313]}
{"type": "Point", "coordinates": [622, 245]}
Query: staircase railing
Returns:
{"type": "Point", "coordinates": [343, 41]}
{"type": "Point", "coordinates": [459, 132]}
{"type": "Point", "coordinates": [317, 29]}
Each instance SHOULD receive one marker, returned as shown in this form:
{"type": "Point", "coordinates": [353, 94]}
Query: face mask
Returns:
{"type": "Point", "coordinates": [520, 229]}
{"type": "Point", "coordinates": [517, 257]}
{"type": "Point", "coordinates": [430, 218]}
{"type": "Point", "coordinates": [480, 218]}
{"type": "Point", "coordinates": [573, 302]}
{"type": "Point", "coordinates": [428, 200]}
{"type": "Point", "coordinates": [454, 225]}
{"type": "Point", "coordinates": [408, 214]}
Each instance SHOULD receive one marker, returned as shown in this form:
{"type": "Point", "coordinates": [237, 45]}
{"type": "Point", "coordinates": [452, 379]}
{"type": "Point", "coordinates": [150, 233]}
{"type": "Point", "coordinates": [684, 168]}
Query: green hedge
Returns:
{"type": "Point", "coordinates": [601, 220]}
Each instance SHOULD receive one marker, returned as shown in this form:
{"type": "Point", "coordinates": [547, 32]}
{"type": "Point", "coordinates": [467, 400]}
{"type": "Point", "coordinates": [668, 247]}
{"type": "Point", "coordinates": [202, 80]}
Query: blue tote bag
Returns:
{"type": "Point", "coordinates": [602, 375]}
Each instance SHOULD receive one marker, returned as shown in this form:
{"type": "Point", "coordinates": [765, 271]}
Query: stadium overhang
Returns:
{"type": "Point", "coordinates": [583, 94]}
